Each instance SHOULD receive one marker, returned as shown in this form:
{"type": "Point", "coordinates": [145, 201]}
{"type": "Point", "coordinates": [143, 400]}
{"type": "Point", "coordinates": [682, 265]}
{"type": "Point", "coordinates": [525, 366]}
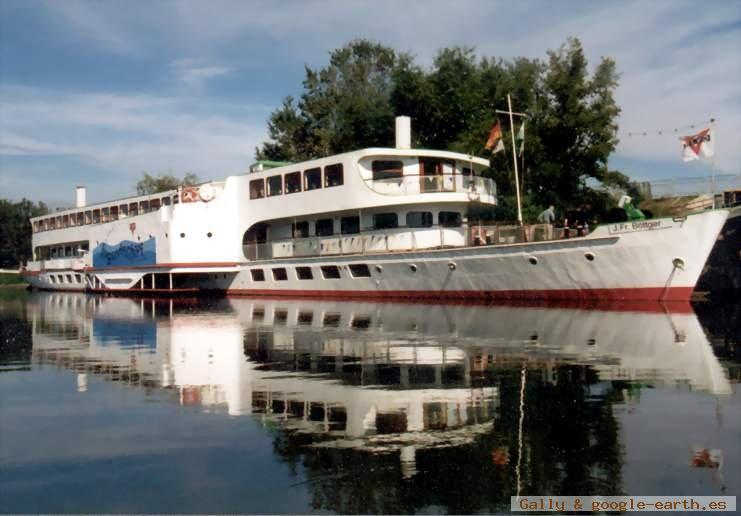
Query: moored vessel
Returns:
{"type": "Point", "coordinates": [372, 223]}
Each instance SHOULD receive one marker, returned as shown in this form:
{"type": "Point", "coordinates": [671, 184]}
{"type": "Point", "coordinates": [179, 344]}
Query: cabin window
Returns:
{"type": "Point", "coordinates": [333, 175]}
{"type": "Point", "coordinates": [114, 213]}
{"type": "Point", "coordinates": [69, 278]}
{"type": "Point", "coordinates": [165, 201]}
{"type": "Point", "coordinates": [275, 185]}
{"type": "Point", "coordinates": [312, 179]}
{"type": "Point", "coordinates": [449, 219]}
{"type": "Point", "coordinates": [144, 207]}
{"type": "Point", "coordinates": [154, 204]}
{"type": "Point", "coordinates": [360, 270]}
{"type": "Point", "coordinates": [300, 229]}
{"type": "Point", "coordinates": [59, 221]}
{"type": "Point", "coordinates": [124, 210]}
{"type": "Point", "coordinates": [350, 225]}
{"type": "Point", "coordinates": [293, 182]}
{"type": "Point", "coordinates": [133, 209]}
{"type": "Point", "coordinates": [325, 227]}
{"type": "Point", "coordinates": [419, 219]}
{"type": "Point", "coordinates": [257, 274]}
{"type": "Point", "coordinates": [258, 313]}
{"type": "Point", "coordinates": [385, 221]}
{"type": "Point", "coordinates": [96, 216]}
{"type": "Point", "coordinates": [280, 274]}
{"type": "Point", "coordinates": [304, 273]}
{"type": "Point", "coordinates": [305, 317]}
{"type": "Point", "coordinates": [52, 279]}
{"type": "Point", "coordinates": [330, 271]}
{"type": "Point", "coordinates": [361, 322]}
{"type": "Point", "coordinates": [104, 215]}
{"type": "Point", "coordinates": [257, 189]}
{"type": "Point", "coordinates": [386, 169]}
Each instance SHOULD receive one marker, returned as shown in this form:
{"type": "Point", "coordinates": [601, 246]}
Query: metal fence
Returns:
{"type": "Point", "coordinates": [685, 186]}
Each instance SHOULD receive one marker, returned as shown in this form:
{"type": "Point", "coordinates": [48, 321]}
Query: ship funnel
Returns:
{"type": "Point", "coordinates": [403, 132]}
{"type": "Point", "coordinates": [80, 200]}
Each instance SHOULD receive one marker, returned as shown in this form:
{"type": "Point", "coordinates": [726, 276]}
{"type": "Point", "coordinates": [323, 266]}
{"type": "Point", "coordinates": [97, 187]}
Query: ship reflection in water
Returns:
{"type": "Point", "coordinates": [403, 408]}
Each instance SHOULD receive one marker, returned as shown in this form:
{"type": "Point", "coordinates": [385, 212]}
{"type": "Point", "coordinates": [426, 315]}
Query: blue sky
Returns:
{"type": "Point", "coordinates": [95, 92]}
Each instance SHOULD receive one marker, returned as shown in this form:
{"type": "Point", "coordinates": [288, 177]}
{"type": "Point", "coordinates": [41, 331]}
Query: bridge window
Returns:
{"type": "Point", "coordinates": [330, 271]}
{"type": "Point", "coordinates": [280, 274]}
{"type": "Point", "coordinates": [257, 189]}
{"type": "Point", "coordinates": [387, 170]}
{"type": "Point", "coordinates": [385, 221]}
{"type": "Point", "coordinates": [333, 175]}
{"type": "Point", "coordinates": [293, 182]}
{"type": "Point", "coordinates": [300, 229]}
{"type": "Point", "coordinates": [312, 179]}
{"type": "Point", "coordinates": [304, 273]}
{"type": "Point", "coordinates": [449, 219]}
{"type": "Point", "coordinates": [257, 274]}
{"type": "Point", "coordinates": [419, 219]}
{"type": "Point", "coordinates": [275, 185]}
{"type": "Point", "coordinates": [350, 225]}
{"type": "Point", "coordinates": [325, 227]}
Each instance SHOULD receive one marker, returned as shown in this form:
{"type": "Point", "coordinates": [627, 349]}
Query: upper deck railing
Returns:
{"type": "Point", "coordinates": [475, 186]}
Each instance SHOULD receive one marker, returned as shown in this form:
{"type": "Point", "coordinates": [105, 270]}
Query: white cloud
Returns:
{"type": "Point", "coordinates": [194, 73]}
{"type": "Point", "coordinates": [123, 135]}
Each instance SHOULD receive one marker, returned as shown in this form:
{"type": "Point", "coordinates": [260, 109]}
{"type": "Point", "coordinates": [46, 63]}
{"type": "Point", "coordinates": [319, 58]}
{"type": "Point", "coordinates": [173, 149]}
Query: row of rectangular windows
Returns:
{"type": "Point", "coordinates": [100, 215]}
{"type": "Point", "coordinates": [357, 270]}
{"type": "Point", "coordinates": [292, 183]}
{"type": "Point", "coordinates": [351, 225]}
{"type": "Point", "coordinates": [65, 278]}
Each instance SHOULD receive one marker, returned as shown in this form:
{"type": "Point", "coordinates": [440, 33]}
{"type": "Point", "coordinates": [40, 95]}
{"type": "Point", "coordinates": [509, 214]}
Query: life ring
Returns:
{"type": "Point", "coordinates": [206, 193]}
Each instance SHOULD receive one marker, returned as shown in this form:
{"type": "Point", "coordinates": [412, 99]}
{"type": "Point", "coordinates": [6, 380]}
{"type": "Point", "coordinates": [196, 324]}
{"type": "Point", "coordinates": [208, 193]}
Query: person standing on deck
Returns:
{"type": "Point", "coordinates": [548, 217]}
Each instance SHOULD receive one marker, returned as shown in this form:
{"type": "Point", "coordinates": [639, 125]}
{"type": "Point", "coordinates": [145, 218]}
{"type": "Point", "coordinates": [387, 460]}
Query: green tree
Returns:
{"type": "Point", "coordinates": [150, 184]}
{"type": "Point", "coordinates": [571, 131]}
{"type": "Point", "coordinates": [345, 106]}
{"type": "Point", "coordinates": [15, 230]}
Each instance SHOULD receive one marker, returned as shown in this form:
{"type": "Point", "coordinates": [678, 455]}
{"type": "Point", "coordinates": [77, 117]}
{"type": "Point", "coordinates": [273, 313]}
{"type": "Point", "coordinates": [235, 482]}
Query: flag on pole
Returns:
{"type": "Point", "coordinates": [495, 139]}
{"type": "Point", "coordinates": [700, 145]}
{"type": "Point", "coordinates": [521, 138]}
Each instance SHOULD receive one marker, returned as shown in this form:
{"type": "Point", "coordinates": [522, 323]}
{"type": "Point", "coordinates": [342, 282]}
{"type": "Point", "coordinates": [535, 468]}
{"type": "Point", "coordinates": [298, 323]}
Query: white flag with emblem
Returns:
{"type": "Point", "coordinates": [700, 145]}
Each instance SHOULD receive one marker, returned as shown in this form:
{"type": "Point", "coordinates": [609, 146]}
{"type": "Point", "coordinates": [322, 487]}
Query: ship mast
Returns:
{"type": "Point", "coordinates": [514, 153]}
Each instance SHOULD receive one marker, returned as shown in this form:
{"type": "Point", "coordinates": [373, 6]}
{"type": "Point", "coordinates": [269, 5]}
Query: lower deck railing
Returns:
{"type": "Point", "coordinates": [404, 239]}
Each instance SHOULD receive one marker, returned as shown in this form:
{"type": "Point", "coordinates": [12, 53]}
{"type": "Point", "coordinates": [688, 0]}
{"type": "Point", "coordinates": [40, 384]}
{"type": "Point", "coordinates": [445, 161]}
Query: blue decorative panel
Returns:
{"type": "Point", "coordinates": [125, 253]}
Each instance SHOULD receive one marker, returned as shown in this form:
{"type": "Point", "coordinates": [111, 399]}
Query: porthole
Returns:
{"type": "Point", "coordinates": [209, 234]}
{"type": "Point", "coordinates": [182, 235]}
{"type": "Point", "coordinates": [591, 342]}
{"type": "Point", "coordinates": [379, 268]}
{"type": "Point", "coordinates": [589, 256]}
{"type": "Point", "coordinates": [678, 263]}
{"type": "Point", "coordinates": [533, 260]}
{"type": "Point", "coordinates": [451, 266]}
{"type": "Point", "coordinates": [413, 268]}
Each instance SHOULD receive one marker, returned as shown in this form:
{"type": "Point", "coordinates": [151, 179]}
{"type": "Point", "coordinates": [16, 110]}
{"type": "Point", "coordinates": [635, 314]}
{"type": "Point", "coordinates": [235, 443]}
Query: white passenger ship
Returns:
{"type": "Point", "coordinates": [373, 223]}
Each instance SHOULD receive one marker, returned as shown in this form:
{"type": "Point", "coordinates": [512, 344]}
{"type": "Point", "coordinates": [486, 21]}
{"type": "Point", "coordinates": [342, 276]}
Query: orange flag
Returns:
{"type": "Point", "coordinates": [495, 139]}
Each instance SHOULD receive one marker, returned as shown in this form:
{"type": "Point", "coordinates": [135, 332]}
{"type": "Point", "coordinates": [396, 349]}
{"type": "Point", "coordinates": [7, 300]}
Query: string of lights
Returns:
{"type": "Point", "coordinates": [668, 130]}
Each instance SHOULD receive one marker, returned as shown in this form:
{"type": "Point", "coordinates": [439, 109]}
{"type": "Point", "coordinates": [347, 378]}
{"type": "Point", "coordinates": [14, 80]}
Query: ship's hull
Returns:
{"type": "Point", "coordinates": [659, 259]}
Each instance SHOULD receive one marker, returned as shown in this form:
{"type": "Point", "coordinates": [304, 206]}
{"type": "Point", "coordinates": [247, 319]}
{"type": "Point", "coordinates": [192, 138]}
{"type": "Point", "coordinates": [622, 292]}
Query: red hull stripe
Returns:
{"type": "Point", "coordinates": [600, 294]}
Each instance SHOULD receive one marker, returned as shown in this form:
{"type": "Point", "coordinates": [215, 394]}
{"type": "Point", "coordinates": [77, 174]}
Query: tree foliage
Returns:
{"type": "Point", "coordinates": [150, 184]}
{"type": "Point", "coordinates": [351, 103]}
{"type": "Point", "coordinates": [15, 230]}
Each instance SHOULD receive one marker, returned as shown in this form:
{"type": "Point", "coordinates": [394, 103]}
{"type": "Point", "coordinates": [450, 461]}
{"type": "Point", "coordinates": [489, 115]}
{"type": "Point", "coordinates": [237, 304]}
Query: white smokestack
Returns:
{"type": "Point", "coordinates": [403, 132]}
{"type": "Point", "coordinates": [80, 200]}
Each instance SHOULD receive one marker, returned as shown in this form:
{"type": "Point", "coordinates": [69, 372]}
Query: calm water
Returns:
{"type": "Point", "coordinates": [238, 405]}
